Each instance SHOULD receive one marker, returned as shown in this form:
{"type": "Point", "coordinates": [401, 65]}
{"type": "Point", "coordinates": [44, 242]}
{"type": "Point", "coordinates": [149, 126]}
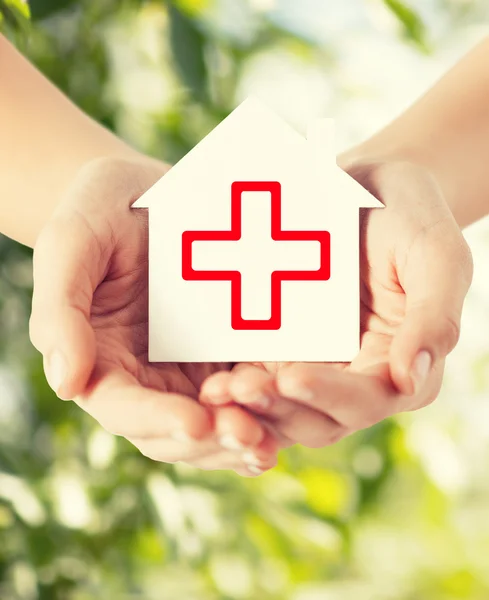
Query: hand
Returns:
{"type": "Point", "coordinates": [416, 270]}
{"type": "Point", "coordinates": [89, 320]}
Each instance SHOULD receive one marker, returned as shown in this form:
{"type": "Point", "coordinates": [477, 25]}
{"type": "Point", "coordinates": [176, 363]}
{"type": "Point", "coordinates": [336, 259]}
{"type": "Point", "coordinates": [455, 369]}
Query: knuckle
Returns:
{"type": "Point", "coordinates": [451, 332]}
{"type": "Point", "coordinates": [459, 255]}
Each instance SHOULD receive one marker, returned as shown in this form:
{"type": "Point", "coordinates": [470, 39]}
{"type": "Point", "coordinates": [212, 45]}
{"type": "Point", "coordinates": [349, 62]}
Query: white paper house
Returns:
{"type": "Point", "coordinates": [221, 288]}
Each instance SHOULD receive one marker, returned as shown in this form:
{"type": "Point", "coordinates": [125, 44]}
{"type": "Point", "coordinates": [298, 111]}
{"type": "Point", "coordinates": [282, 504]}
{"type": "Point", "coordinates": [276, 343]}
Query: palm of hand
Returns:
{"type": "Point", "coordinates": [119, 312]}
{"type": "Point", "coordinates": [382, 297]}
{"type": "Point", "coordinates": [382, 301]}
{"type": "Point", "coordinates": [90, 321]}
{"type": "Point", "coordinates": [105, 304]}
{"type": "Point", "coordinates": [407, 248]}
{"type": "Point", "coordinates": [119, 317]}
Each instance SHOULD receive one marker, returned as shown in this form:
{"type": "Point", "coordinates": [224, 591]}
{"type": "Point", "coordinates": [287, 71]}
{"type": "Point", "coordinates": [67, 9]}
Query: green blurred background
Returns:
{"type": "Point", "coordinates": [398, 512]}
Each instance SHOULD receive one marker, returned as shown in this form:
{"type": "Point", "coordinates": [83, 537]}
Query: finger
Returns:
{"type": "Point", "coordinates": [215, 389]}
{"type": "Point", "coordinates": [221, 462]}
{"type": "Point", "coordinates": [262, 457]}
{"type": "Point", "coordinates": [180, 448]}
{"type": "Point", "coordinates": [256, 389]}
{"type": "Point", "coordinates": [436, 279]}
{"type": "Point", "coordinates": [250, 463]}
{"type": "Point", "coordinates": [353, 400]}
{"type": "Point", "coordinates": [237, 429]}
{"type": "Point", "coordinates": [209, 455]}
{"type": "Point", "coordinates": [123, 407]}
{"type": "Point", "coordinates": [67, 268]}
{"type": "Point", "coordinates": [215, 392]}
{"type": "Point", "coordinates": [171, 450]}
{"type": "Point", "coordinates": [167, 452]}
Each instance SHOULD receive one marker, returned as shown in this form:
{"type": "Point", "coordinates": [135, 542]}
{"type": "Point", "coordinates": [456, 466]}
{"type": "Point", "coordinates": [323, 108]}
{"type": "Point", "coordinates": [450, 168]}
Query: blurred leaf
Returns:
{"type": "Point", "coordinates": [270, 540]}
{"type": "Point", "coordinates": [188, 43]}
{"type": "Point", "coordinates": [329, 493]}
{"type": "Point", "coordinates": [14, 17]}
{"type": "Point", "coordinates": [40, 9]}
{"type": "Point", "coordinates": [414, 28]}
{"type": "Point", "coordinates": [323, 516]}
{"type": "Point", "coordinates": [14, 8]}
{"type": "Point", "coordinates": [460, 584]}
{"type": "Point", "coordinates": [192, 7]}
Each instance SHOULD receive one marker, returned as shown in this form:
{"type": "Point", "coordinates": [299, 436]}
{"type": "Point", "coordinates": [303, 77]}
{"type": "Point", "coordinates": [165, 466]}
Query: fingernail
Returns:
{"type": "Point", "coordinates": [230, 442]}
{"type": "Point", "coordinates": [181, 436]}
{"type": "Point", "coordinates": [421, 369]}
{"type": "Point", "coordinates": [56, 371]}
{"type": "Point", "coordinates": [251, 459]}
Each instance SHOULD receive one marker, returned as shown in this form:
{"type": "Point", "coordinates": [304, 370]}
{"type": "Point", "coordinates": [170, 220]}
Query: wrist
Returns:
{"type": "Point", "coordinates": [134, 168]}
{"type": "Point", "coordinates": [375, 154]}
{"type": "Point", "coordinates": [379, 152]}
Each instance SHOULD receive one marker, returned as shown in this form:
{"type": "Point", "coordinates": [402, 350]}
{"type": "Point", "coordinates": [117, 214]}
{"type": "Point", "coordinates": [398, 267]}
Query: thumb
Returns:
{"type": "Point", "coordinates": [436, 277]}
{"type": "Point", "coordinates": [67, 269]}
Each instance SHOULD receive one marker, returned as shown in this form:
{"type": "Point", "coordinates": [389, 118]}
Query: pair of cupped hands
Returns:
{"type": "Point", "coordinates": [90, 322]}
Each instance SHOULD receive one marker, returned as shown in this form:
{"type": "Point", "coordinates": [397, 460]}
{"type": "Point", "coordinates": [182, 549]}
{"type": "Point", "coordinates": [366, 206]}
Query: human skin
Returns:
{"type": "Point", "coordinates": [89, 315]}
{"type": "Point", "coordinates": [447, 133]}
{"type": "Point", "coordinates": [90, 321]}
{"type": "Point", "coordinates": [433, 156]}
{"type": "Point", "coordinates": [45, 140]}
{"type": "Point", "coordinates": [408, 327]}
{"type": "Point", "coordinates": [415, 272]}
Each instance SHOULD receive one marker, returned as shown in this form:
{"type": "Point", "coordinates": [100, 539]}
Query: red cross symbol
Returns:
{"type": "Point", "coordinates": [277, 234]}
